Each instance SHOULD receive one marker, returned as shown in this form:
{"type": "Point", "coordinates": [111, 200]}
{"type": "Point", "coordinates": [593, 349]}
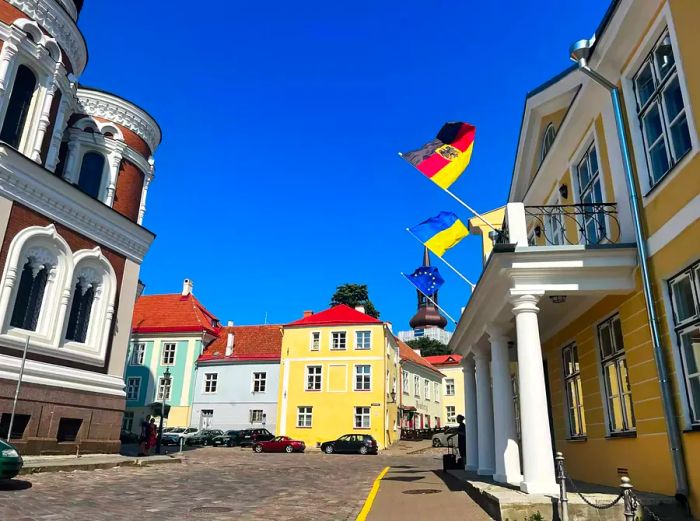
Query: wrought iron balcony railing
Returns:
{"type": "Point", "coordinates": [572, 224]}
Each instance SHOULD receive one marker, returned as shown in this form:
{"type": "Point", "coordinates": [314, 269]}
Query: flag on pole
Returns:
{"type": "Point", "coordinates": [445, 158]}
{"type": "Point", "coordinates": [440, 233]}
{"type": "Point", "coordinates": [427, 279]}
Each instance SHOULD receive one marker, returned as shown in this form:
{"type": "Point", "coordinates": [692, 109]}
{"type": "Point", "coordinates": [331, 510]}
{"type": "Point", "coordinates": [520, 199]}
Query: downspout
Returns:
{"type": "Point", "coordinates": [674, 435]}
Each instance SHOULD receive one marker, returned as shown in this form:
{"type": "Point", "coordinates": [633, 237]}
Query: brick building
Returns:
{"type": "Point", "coordinates": [75, 166]}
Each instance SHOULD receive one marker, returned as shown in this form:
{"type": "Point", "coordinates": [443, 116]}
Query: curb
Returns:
{"type": "Point", "coordinates": [69, 467]}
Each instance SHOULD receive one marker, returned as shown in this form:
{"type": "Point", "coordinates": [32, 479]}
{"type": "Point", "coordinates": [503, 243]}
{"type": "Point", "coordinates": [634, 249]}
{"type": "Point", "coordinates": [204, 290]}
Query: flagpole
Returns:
{"type": "Point", "coordinates": [465, 279]}
{"type": "Point", "coordinates": [426, 296]}
{"type": "Point", "coordinates": [476, 214]}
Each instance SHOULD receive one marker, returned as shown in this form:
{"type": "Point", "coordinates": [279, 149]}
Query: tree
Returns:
{"type": "Point", "coordinates": [429, 347]}
{"type": "Point", "coordinates": [354, 295]}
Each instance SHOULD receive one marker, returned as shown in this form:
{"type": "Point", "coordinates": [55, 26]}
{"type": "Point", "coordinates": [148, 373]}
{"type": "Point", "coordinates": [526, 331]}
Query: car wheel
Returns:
{"type": "Point", "coordinates": [329, 449]}
{"type": "Point", "coordinates": [363, 450]}
{"type": "Point", "coordinates": [205, 443]}
{"type": "Point", "coordinates": [288, 449]}
{"type": "Point", "coordinates": [437, 442]}
{"type": "Point", "coordinates": [258, 448]}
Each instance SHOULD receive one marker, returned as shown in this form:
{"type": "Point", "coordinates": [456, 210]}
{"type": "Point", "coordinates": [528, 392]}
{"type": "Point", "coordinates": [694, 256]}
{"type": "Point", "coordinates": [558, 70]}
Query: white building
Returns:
{"type": "Point", "coordinates": [433, 333]}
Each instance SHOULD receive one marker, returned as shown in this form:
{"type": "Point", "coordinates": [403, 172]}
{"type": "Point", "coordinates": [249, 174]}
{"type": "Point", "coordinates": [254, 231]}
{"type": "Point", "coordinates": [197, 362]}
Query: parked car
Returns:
{"type": "Point", "coordinates": [447, 438]}
{"type": "Point", "coordinates": [351, 443]}
{"type": "Point", "coordinates": [279, 444]}
{"type": "Point", "coordinates": [248, 437]}
{"type": "Point", "coordinates": [204, 437]}
{"type": "Point", "coordinates": [128, 437]}
{"type": "Point", "coordinates": [10, 461]}
{"type": "Point", "coordinates": [229, 438]}
{"type": "Point", "coordinates": [173, 437]}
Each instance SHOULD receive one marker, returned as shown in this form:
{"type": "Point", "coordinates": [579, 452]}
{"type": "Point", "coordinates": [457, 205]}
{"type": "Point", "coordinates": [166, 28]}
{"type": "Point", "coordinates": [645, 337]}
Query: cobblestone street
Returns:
{"type": "Point", "coordinates": [210, 484]}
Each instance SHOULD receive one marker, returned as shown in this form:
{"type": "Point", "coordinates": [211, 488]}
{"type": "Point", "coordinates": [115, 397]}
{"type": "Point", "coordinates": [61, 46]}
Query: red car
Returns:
{"type": "Point", "coordinates": [279, 444]}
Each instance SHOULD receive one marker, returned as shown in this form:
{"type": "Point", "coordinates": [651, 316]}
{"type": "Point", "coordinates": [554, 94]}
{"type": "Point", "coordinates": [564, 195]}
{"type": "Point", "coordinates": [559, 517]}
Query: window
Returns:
{"type": "Point", "coordinates": [304, 415]}
{"type": "Point", "coordinates": [436, 391]}
{"type": "Point", "coordinates": [617, 385]}
{"type": "Point", "coordinates": [256, 416]}
{"type": "Point", "coordinates": [19, 425]}
{"type": "Point", "coordinates": [590, 194]}
{"type": "Point", "coordinates": [137, 354]}
{"type": "Point", "coordinates": [684, 289]}
{"type": "Point", "coordinates": [362, 417]}
{"type": "Point", "coordinates": [416, 385]}
{"type": "Point", "coordinates": [30, 294]}
{"type": "Point", "coordinates": [426, 390]}
{"type": "Point", "coordinates": [338, 340]}
{"type": "Point", "coordinates": [90, 178]}
{"type": "Point", "coordinates": [574, 394]}
{"type": "Point", "coordinates": [18, 107]}
{"type": "Point", "coordinates": [168, 354]}
{"type": "Point", "coordinates": [363, 339]}
{"type": "Point", "coordinates": [554, 225]}
{"type": "Point", "coordinates": [81, 308]}
{"type": "Point", "coordinates": [162, 387]}
{"type": "Point", "coordinates": [313, 378]}
{"type": "Point", "coordinates": [363, 377]}
{"type": "Point", "coordinates": [259, 382]}
{"type": "Point", "coordinates": [133, 386]}
{"type": "Point", "coordinates": [211, 381]}
{"type": "Point", "coordinates": [405, 382]}
{"type": "Point", "coordinates": [661, 110]}
{"type": "Point", "coordinates": [128, 421]}
{"type": "Point", "coordinates": [451, 414]}
{"type": "Point", "coordinates": [315, 340]}
{"type": "Point", "coordinates": [449, 387]}
{"type": "Point", "coordinates": [68, 429]}
{"type": "Point", "coordinates": [547, 139]}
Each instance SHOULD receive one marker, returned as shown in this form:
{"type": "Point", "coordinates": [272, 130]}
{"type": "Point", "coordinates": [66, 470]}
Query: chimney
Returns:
{"type": "Point", "coordinates": [308, 313]}
{"type": "Point", "coordinates": [417, 351]}
{"type": "Point", "coordinates": [187, 286]}
{"type": "Point", "coordinates": [361, 309]}
{"type": "Point", "coordinates": [229, 340]}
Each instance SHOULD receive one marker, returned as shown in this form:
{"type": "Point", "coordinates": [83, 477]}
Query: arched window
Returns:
{"type": "Point", "coordinates": [90, 180]}
{"type": "Point", "coordinates": [547, 139]}
{"type": "Point", "coordinates": [81, 309]}
{"type": "Point", "coordinates": [30, 294]}
{"type": "Point", "coordinates": [18, 106]}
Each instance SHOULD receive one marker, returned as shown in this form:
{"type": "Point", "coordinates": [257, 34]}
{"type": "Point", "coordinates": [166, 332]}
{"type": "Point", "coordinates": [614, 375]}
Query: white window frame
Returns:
{"type": "Point", "coordinates": [159, 390]}
{"type": "Point", "coordinates": [211, 383]}
{"type": "Point", "coordinates": [368, 332]}
{"type": "Point", "coordinates": [584, 154]}
{"type": "Point", "coordinates": [254, 417]}
{"type": "Point", "coordinates": [416, 386]}
{"type": "Point", "coordinates": [436, 392]}
{"type": "Point", "coordinates": [138, 350]}
{"type": "Point", "coordinates": [162, 354]}
{"type": "Point", "coordinates": [547, 146]}
{"type": "Point", "coordinates": [332, 339]}
{"type": "Point", "coordinates": [128, 387]}
{"type": "Point", "coordinates": [315, 341]}
{"type": "Point", "coordinates": [451, 413]}
{"type": "Point", "coordinates": [362, 412]}
{"type": "Point", "coordinates": [577, 408]}
{"type": "Point", "coordinates": [317, 377]}
{"type": "Point", "coordinates": [449, 386]}
{"type": "Point", "coordinates": [366, 383]}
{"type": "Point", "coordinates": [128, 421]}
{"type": "Point", "coordinates": [405, 382]}
{"type": "Point", "coordinates": [426, 389]}
{"type": "Point", "coordinates": [259, 380]}
{"type": "Point", "coordinates": [304, 413]}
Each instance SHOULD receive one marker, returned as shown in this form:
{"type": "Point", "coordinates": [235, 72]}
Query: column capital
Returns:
{"type": "Point", "coordinates": [468, 361]}
{"type": "Point", "coordinates": [498, 333]}
{"type": "Point", "coordinates": [481, 355]}
{"type": "Point", "coordinates": [525, 301]}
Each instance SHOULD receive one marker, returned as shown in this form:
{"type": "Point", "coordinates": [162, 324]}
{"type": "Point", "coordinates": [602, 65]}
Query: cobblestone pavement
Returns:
{"type": "Point", "coordinates": [210, 484]}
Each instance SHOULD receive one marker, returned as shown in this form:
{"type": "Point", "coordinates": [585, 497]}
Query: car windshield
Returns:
{"type": "Point", "coordinates": [190, 430]}
{"type": "Point", "coordinates": [178, 430]}
{"type": "Point", "coordinates": [232, 433]}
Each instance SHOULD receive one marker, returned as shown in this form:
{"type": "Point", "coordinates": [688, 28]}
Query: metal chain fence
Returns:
{"type": "Point", "coordinates": [599, 506]}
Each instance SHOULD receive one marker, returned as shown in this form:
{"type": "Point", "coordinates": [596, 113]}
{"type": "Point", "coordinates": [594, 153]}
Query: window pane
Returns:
{"type": "Point", "coordinates": [653, 127]}
{"type": "Point", "coordinates": [663, 56]}
{"type": "Point", "coordinates": [694, 392]}
{"type": "Point", "coordinates": [683, 299]}
{"type": "Point", "coordinates": [691, 351]}
{"type": "Point", "coordinates": [617, 334]}
{"type": "Point", "coordinates": [680, 137]}
{"type": "Point", "coordinates": [659, 160]}
{"type": "Point", "coordinates": [90, 178]}
{"type": "Point", "coordinates": [644, 84]}
{"type": "Point", "coordinates": [606, 347]}
{"type": "Point", "coordinates": [673, 99]}
{"type": "Point", "coordinates": [583, 174]}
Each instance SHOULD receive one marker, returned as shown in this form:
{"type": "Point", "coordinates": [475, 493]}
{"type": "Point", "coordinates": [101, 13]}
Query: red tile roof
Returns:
{"type": "Point", "coordinates": [172, 313]}
{"type": "Point", "coordinates": [249, 343]}
{"type": "Point", "coordinates": [444, 359]}
{"type": "Point", "coordinates": [407, 353]}
{"type": "Point", "coordinates": [336, 316]}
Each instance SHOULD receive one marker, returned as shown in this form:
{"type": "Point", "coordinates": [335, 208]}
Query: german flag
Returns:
{"type": "Point", "coordinates": [445, 158]}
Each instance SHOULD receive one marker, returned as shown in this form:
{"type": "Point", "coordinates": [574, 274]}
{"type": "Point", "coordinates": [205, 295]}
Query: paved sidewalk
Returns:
{"type": "Point", "coordinates": [420, 492]}
{"type": "Point", "coordinates": [36, 464]}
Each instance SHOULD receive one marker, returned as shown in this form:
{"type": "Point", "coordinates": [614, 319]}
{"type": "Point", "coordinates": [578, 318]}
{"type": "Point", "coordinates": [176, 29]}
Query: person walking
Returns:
{"type": "Point", "coordinates": [152, 436]}
{"type": "Point", "coordinates": [461, 440]}
{"type": "Point", "coordinates": [143, 435]}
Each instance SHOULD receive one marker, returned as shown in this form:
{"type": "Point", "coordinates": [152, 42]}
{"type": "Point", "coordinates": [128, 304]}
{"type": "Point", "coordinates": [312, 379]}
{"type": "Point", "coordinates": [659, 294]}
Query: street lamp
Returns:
{"type": "Point", "coordinates": [580, 52]}
{"type": "Point", "coordinates": [166, 387]}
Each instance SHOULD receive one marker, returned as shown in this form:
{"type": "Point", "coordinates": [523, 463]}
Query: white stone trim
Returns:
{"type": "Point", "coordinates": [117, 110]}
{"type": "Point", "coordinates": [676, 225]}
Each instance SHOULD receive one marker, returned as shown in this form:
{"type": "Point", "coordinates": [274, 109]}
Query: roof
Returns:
{"type": "Point", "coordinates": [408, 354]}
{"type": "Point", "coordinates": [172, 313]}
{"type": "Point", "coordinates": [336, 316]}
{"type": "Point", "coordinates": [450, 359]}
{"type": "Point", "coordinates": [249, 343]}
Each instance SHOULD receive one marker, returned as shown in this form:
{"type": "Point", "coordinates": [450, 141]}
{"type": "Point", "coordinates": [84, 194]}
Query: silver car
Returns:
{"type": "Point", "coordinates": [447, 438]}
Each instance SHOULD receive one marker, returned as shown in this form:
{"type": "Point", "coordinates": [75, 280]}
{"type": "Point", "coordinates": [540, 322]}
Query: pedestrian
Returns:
{"type": "Point", "coordinates": [143, 435]}
{"type": "Point", "coordinates": [152, 436]}
{"type": "Point", "coordinates": [461, 440]}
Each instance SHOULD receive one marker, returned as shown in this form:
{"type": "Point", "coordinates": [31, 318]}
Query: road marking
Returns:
{"type": "Point", "coordinates": [372, 494]}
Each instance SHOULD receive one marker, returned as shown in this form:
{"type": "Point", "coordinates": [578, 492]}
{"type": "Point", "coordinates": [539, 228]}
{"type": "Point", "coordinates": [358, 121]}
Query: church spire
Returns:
{"type": "Point", "coordinates": [427, 314]}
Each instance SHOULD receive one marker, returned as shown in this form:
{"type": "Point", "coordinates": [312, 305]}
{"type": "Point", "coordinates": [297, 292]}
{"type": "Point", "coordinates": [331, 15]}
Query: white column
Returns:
{"type": "Point", "coordinates": [484, 412]}
{"type": "Point", "coordinates": [114, 163]}
{"type": "Point", "coordinates": [538, 459]}
{"type": "Point", "coordinates": [470, 407]}
{"type": "Point", "coordinates": [148, 177]}
{"type": "Point", "coordinates": [58, 130]}
{"type": "Point", "coordinates": [7, 69]}
{"type": "Point", "coordinates": [49, 88]}
{"type": "Point", "coordinates": [506, 441]}
{"type": "Point", "coordinates": [71, 172]}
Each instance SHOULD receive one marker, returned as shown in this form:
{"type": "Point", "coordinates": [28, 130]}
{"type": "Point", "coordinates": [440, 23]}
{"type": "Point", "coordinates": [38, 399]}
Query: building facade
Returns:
{"type": "Point", "coordinates": [562, 291]}
{"type": "Point", "coordinates": [452, 386]}
{"type": "Point", "coordinates": [420, 403]}
{"type": "Point", "coordinates": [169, 332]}
{"type": "Point", "coordinates": [237, 380]}
{"type": "Point", "coordinates": [75, 166]}
{"type": "Point", "coordinates": [338, 375]}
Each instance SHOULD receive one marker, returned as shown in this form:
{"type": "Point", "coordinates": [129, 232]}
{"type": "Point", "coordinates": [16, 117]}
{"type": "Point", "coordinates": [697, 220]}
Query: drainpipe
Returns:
{"type": "Point", "coordinates": [580, 52]}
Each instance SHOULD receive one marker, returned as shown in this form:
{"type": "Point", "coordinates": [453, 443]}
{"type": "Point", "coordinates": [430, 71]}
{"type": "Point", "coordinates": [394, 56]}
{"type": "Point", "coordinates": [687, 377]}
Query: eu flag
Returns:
{"type": "Point", "coordinates": [427, 279]}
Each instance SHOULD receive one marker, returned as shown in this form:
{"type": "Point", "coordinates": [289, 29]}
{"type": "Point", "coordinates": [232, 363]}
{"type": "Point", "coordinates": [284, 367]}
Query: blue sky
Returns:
{"type": "Point", "coordinates": [278, 176]}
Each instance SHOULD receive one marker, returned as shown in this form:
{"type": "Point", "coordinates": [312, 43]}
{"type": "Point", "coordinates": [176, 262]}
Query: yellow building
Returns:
{"type": "Point", "coordinates": [563, 284]}
{"type": "Point", "coordinates": [452, 386]}
{"type": "Point", "coordinates": [338, 375]}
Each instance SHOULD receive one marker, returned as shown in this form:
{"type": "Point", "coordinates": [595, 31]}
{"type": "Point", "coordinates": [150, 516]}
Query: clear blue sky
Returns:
{"type": "Point", "coordinates": [278, 176]}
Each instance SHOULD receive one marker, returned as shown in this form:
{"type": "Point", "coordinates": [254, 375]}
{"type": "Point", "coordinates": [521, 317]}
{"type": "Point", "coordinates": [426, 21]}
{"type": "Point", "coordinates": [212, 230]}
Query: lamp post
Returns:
{"type": "Point", "coordinates": [166, 388]}
{"type": "Point", "coordinates": [580, 52]}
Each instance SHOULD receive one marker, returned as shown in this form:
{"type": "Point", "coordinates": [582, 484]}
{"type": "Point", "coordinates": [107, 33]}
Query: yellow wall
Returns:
{"type": "Point", "coordinates": [333, 406]}
{"type": "Point", "coordinates": [457, 400]}
{"type": "Point", "coordinates": [178, 417]}
{"type": "Point", "coordinates": [478, 227]}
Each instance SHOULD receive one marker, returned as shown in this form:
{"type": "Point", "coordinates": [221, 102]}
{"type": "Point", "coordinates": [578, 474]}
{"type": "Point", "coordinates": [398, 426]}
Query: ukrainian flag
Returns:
{"type": "Point", "coordinates": [440, 233]}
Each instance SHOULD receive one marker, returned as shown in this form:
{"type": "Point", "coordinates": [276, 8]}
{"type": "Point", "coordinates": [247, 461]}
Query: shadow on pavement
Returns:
{"type": "Point", "coordinates": [453, 484]}
{"type": "Point", "coordinates": [407, 479]}
{"type": "Point", "coordinates": [14, 484]}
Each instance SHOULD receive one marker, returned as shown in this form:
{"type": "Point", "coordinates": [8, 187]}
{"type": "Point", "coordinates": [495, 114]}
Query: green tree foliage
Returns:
{"type": "Point", "coordinates": [354, 295]}
{"type": "Point", "coordinates": [429, 347]}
